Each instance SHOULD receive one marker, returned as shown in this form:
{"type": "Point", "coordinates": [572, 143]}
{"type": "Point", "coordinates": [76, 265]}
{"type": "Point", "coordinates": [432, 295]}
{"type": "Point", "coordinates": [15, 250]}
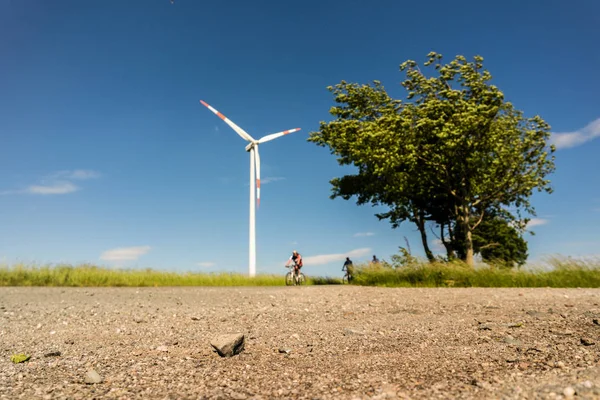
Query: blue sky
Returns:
{"type": "Point", "coordinates": [108, 157]}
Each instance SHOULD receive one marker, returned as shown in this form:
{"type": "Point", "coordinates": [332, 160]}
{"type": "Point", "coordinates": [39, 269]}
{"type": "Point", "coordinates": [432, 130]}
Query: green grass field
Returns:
{"type": "Point", "coordinates": [90, 275]}
{"type": "Point", "coordinates": [560, 272]}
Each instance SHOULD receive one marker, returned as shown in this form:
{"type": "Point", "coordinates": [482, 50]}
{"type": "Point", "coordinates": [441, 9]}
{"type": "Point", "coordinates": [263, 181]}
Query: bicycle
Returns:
{"type": "Point", "coordinates": [347, 278]}
{"type": "Point", "coordinates": [294, 276]}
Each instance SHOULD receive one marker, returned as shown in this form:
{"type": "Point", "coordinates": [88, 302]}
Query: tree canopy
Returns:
{"type": "Point", "coordinates": [451, 153]}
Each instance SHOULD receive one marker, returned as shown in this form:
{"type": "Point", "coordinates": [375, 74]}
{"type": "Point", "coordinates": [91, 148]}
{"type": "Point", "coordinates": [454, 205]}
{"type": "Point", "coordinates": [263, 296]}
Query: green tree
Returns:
{"type": "Point", "coordinates": [450, 153]}
{"type": "Point", "coordinates": [498, 242]}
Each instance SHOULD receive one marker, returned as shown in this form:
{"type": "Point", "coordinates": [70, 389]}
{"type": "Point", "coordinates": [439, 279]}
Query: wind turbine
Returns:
{"type": "Point", "coordinates": [252, 147]}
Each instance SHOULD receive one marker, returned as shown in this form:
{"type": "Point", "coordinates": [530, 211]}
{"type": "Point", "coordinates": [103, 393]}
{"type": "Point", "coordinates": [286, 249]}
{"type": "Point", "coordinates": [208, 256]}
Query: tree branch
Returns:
{"type": "Point", "coordinates": [489, 245]}
{"type": "Point", "coordinates": [479, 221]}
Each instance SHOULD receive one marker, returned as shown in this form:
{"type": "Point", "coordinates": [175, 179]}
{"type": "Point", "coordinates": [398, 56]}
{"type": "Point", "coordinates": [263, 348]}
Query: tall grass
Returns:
{"type": "Point", "coordinates": [559, 272]}
{"type": "Point", "coordinates": [90, 275]}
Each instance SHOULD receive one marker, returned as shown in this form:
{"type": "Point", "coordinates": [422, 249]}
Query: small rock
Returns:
{"type": "Point", "coordinates": [195, 319]}
{"type": "Point", "coordinates": [535, 313]}
{"type": "Point", "coordinates": [162, 348]}
{"type": "Point", "coordinates": [284, 350]}
{"type": "Point", "coordinates": [484, 327]}
{"type": "Point", "coordinates": [560, 364]}
{"type": "Point", "coordinates": [515, 325]}
{"type": "Point", "coordinates": [92, 377]}
{"type": "Point", "coordinates": [349, 331]}
{"type": "Point", "coordinates": [228, 345]}
{"type": "Point", "coordinates": [138, 320]}
{"type": "Point", "coordinates": [296, 336]}
{"type": "Point", "coordinates": [53, 354]}
{"type": "Point", "coordinates": [69, 341]}
{"type": "Point", "coordinates": [587, 342]}
{"type": "Point", "coordinates": [237, 396]}
{"type": "Point", "coordinates": [523, 365]}
{"type": "Point", "coordinates": [596, 321]}
{"type": "Point", "coordinates": [511, 340]}
{"type": "Point", "coordinates": [587, 384]}
{"type": "Point", "coordinates": [569, 392]}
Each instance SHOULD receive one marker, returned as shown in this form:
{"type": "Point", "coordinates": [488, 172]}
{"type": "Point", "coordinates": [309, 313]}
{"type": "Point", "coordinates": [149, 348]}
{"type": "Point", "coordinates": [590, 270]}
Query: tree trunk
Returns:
{"type": "Point", "coordinates": [447, 244]}
{"type": "Point", "coordinates": [464, 220]}
{"type": "Point", "coordinates": [421, 226]}
{"type": "Point", "coordinates": [470, 260]}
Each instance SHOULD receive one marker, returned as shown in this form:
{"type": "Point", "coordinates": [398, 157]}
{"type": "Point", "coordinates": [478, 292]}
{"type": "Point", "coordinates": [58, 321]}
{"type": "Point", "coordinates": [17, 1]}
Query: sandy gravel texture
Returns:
{"type": "Point", "coordinates": [308, 342]}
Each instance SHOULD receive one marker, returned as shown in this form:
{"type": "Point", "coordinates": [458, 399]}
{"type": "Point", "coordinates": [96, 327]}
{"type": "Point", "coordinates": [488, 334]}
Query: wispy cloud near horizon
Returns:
{"type": "Point", "coordinates": [56, 183]}
{"type": "Point", "coordinates": [363, 234]}
{"type": "Point", "coordinates": [206, 264]}
{"type": "Point", "coordinates": [565, 140]}
{"type": "Point", "coordinates": [124, 253]}
{"type": "Point", "coordinates": [537, 222]}
{"type": "Point", "coordinates": [437, 245]}
{"type": "Point", "coordinates": [329, 258]}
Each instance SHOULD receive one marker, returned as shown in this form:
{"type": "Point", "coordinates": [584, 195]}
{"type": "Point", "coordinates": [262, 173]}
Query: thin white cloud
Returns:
{"type": "Point", "coordinates": [270, 179]}
{"type": "Point", "coordinates": [125, 253]}
{"type": "Point", "coordinates": [329, 258]}
{"type": "Point", "coordinates": [206, 264]}
{"type": "Point", "coordinates": [565, 140]}
{"type": "Point", "coordinates": [56, 183]}
{"type": "Point", "coordinates": [55, 188]}
{"type": "Point", "coordinates": [363, 234]}
{"type": "Point", "coordinates": [537, 222]}
{"type": "Point", "coordinates": [437, 245]}
{"type": "Point", "coordinates": [77, 174]}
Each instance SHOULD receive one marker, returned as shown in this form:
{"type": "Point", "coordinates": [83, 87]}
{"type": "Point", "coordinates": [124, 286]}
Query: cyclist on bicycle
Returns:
{"type": "Point", "coordinates": [297, 259]}
{"type": "Point", "coordinates": [348, 267]}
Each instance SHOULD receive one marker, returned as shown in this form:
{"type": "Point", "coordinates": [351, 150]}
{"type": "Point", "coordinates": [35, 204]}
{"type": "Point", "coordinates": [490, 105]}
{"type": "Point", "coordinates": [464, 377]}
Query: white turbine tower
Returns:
{"type": "Point", "coordinates": [252, 147]}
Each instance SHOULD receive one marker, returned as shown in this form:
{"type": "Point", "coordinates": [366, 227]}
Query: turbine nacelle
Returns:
{"type": "Point", "coordinates": [251, 145]}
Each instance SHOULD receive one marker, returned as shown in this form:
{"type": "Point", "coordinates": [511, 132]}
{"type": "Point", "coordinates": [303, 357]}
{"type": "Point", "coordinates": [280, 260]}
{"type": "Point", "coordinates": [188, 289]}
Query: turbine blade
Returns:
{"type": "Point", "coordinates": [236, 128]}
{"type": "Point", "coordinates": [276, 135]}
{"type": "Point", "coordinates": [257, 163]}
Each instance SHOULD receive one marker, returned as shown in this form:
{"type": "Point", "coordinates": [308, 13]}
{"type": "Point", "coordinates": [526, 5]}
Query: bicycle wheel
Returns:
{"type": "Point", "coordinates": [289, 279]}
{"type": "Point", "coordinates": [301, 279]}
{"type": "Point", "coordinates": [345, 279]}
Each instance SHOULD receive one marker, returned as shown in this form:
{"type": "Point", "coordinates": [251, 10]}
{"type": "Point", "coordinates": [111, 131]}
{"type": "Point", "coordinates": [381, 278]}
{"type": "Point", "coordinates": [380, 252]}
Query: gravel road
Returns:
{"type": "Point", "coordinates": [300, 342]}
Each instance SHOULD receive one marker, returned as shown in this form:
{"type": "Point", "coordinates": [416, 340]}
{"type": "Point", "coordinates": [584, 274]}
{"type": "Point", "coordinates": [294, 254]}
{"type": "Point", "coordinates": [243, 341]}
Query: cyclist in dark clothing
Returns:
{"type": "Point", "coordinates": [349, 268]}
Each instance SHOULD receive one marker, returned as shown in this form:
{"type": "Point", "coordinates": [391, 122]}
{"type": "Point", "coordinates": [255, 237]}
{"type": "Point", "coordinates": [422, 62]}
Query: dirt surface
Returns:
{"type": "Point", "coordinates": [300, 342]}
